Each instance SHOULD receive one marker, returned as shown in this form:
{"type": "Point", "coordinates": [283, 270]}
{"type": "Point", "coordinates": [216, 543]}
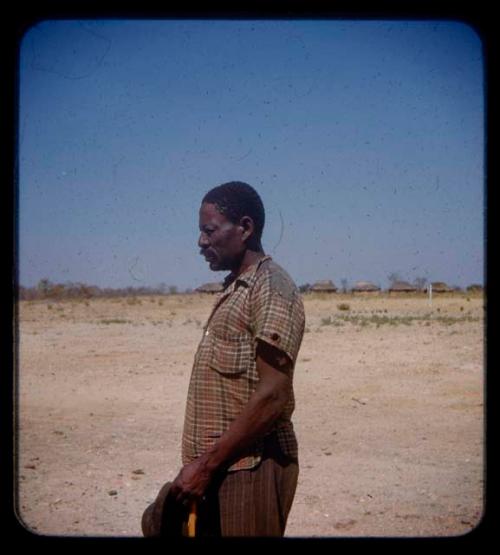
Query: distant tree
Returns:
{"type": "Point", "coordinates": [393, 277]}
{"type": "Point", "coordinates": [162, 288]}
{"type": "Point", "coordinates": [57, 291]}
{"type": "Point", "coordinates": [23, 293]}
{"type": "Point", "coordinates": [44, 287]}
{"type": "Point", "coordinates": [172, 290]}
{"type": "Point", "coordinates": [304, 288]}
{"type": "Point", "coordinates": [82, 290]}
{"type": "Point", "coordinates": [420, 282]}
{"type": "Point", "coordinates": [344, 282]}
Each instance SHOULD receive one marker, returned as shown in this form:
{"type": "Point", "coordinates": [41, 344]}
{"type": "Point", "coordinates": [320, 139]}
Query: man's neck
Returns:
{"type": "Point", "coordinates": [250, 258]}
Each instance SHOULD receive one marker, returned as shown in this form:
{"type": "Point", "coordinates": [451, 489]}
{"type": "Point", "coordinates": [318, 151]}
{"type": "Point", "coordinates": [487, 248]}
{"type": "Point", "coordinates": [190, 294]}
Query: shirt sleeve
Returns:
{"type": "Point", "coordinates": [278, 313]}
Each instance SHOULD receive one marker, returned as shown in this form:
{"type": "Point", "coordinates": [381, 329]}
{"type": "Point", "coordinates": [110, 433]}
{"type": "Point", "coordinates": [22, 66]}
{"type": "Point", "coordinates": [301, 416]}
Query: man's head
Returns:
{"type": "Point", "coordinates": [231, 222]}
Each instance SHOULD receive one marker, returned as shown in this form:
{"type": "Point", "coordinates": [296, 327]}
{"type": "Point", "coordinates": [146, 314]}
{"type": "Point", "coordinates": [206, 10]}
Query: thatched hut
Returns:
{"type": "Point", "coordinates": [365, 287]}
{"type": "Point", "coordinates": [440, 287]}
{"type": "Point", "coordinates": [402, 287]}
{"type": "Point", "coordinates": [324, 286]}
{"type": "Point", "coordinates": [214, 287]}
{"type": "Point", "coordinates": [475, 288]}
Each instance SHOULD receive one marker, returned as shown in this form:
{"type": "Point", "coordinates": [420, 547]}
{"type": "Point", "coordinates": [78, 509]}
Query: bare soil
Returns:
{"type": "Point", "coordinates": [389, 412]}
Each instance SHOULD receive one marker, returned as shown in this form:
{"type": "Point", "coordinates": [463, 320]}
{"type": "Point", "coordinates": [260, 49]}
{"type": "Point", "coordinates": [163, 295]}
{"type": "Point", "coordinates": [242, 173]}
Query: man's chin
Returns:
{"type": "Point", "coordinates": [218, 266]}
{"type": "Point", "coordinates": [214, 266]}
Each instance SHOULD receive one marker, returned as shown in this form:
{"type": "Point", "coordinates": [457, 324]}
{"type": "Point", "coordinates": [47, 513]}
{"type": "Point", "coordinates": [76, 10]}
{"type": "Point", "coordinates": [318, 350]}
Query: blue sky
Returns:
{"type": "Point", "coordinates": [365, 140]}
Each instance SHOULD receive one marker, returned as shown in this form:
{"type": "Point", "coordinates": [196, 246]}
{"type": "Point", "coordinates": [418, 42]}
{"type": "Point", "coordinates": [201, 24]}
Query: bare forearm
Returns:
{"type": "Point", "coordinates": [257, 418]}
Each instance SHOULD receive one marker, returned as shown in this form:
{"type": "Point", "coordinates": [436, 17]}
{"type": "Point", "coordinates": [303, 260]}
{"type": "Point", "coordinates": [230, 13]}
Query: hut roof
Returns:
{"type": "Point", "coordinates": [402, 286]}
{"type": "Point", "coordinates": [440, 287]}
{"type": "Point", "coordinates": [213, 287]}
{"type": "Point", "coordinates": [324, 285]}
{"type": "Point", "coordinates": [365, 286]}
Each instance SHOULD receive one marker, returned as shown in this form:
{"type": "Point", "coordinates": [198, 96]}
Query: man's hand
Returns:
{"type": "Point", "coordinates": [191, 482]}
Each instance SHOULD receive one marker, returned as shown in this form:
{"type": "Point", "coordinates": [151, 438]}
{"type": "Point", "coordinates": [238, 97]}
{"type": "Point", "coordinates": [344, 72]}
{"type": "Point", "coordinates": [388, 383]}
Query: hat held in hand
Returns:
{"type": "Point", "coordinates": [164, 517]}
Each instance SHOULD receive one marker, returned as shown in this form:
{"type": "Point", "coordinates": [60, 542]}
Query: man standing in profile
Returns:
{"type": "Point", "coordinates": [239, 448]}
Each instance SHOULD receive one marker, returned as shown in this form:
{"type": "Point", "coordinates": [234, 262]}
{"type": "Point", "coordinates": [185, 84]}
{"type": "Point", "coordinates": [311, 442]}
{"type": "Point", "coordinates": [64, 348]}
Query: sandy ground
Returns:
{"type": "Point", "coordinates": [389, 414]}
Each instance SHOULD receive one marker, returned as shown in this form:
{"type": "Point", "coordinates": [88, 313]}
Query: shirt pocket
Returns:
{"type": "Point", "coordinates": [232, 355]}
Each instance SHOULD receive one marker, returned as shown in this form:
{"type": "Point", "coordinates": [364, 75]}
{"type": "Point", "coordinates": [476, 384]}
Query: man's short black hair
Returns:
{"type": "Point", "coordinates": [236, 199]}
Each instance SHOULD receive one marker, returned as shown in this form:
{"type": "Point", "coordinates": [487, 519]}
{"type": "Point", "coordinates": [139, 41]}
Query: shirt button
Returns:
{"type": "Point", "coordinates": [207, 332]}
{"type": "Point", "coordinates": [275, 337]}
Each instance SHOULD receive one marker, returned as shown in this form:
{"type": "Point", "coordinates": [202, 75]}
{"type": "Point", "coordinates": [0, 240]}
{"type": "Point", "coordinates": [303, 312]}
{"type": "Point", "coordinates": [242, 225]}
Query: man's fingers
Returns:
{"type": "Point", "coordinates": [181, 496]}
{"type": "Point", "coordinates": [177, 493]}
{"type": "Point", "coordinates": [189, 485]}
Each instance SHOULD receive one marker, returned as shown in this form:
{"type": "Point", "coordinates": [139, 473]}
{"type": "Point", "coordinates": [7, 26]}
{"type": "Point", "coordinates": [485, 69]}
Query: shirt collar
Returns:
{"type": "Point", "coordinates": [230, 282]}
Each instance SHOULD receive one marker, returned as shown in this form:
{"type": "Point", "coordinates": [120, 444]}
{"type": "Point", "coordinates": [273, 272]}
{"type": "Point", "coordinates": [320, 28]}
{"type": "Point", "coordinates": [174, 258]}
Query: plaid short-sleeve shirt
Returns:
{"type": "Point", "coordinates": [262, 303]}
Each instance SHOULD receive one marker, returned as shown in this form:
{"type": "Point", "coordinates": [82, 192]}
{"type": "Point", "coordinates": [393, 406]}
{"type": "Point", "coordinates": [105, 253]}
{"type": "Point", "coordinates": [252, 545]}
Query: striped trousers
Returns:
{"type": "Point", "coordinates": [252, 502]}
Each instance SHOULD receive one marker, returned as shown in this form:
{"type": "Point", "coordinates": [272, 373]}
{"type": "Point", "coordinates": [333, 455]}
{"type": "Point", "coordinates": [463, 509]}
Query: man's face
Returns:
{"type": "Point", "coordinates": [221, 242]}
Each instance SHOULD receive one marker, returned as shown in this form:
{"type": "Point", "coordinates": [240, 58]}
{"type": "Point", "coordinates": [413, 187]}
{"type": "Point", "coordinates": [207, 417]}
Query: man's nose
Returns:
{"type": "Point", "coordinates": [203, 241]}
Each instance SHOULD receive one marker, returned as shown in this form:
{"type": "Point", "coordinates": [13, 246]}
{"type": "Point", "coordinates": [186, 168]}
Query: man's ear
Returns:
{"type": "Point", "coordinates": [246, 223]}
